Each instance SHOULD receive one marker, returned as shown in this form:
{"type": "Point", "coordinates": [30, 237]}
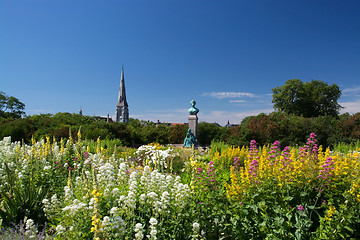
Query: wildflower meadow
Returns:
{"type": "Point", "coordinates": [84, 190]}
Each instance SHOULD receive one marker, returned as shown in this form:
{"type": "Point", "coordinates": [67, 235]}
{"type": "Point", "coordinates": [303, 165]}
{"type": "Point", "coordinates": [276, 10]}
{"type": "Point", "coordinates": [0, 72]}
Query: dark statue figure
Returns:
{"type": "Point", "coordinates": [190, 139]}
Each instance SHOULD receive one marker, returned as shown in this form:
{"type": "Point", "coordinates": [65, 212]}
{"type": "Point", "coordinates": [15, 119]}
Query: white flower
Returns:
{"type": "Point", "coordinates": [60, 229]}
{"type": "Point", "coordinates": [138, 231]}
{"type": "Point", "coordinates": [20, 175]}
{"type": "Point", "coordinates": [118, 227]}
{"type": "Point", "coordinates": [122, 199]}
{"type": "Point", "coordinates": [115, 192]}
{"type": "Point", "coordinates": [153, 234]}
{"type": "Point", "coordinates": [114, 210]}
{"type": "Point", "coordinates": [142, 198]}
{"type": "Point", "coordinates": [47, 168]}
{"type": "Point", "coordinates": [196, 227]}
{"type": "Point", "coordinates": [68, 193]}
{"type": "Point", "coordinates": [122, 172]}
{"type": "Point", "coordinates": [106, 223]}
{"type": "Point", "coordinates": [31, 229]}
{"type": "Point", "coordinates": [152, 195]}
{"type": "Point", "coordinates": [106, 175]}
{"type": "Point", "coordinates": [153, 221]}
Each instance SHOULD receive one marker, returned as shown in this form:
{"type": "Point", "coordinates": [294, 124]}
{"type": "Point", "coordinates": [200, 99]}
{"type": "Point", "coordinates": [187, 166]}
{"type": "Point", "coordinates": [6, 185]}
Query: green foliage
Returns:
{"type": "Point", "coordinates": [22, 201]}
{"type": "Point", "coordinates": [208, 132]}
{"type": "Point", "coordinates": [309, 99]}
{"type": "Point", "coordinates": [289, 129]}
{"type": "Point", "coordinates": [18, 129]}
{"type": "Point", "coordinates": [10, 107]}
{"type": "Point", "coordinates": [177, 133]}
{"type": "Point", "coordinates": [346, 147]}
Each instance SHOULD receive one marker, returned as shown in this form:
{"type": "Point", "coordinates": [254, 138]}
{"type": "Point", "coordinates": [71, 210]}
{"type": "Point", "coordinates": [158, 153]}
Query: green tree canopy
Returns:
{"type": "Point", "coordinates": [10, 107]}
{"type": "Point", "coordinates": [309, 99]}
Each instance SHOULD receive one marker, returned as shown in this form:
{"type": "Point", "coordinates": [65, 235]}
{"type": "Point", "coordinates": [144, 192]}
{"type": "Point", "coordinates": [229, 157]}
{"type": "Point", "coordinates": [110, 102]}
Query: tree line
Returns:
{"type": "Point", "coordinates": [289, 129]}
{"type": "Point", "coordinates": [301, 108]}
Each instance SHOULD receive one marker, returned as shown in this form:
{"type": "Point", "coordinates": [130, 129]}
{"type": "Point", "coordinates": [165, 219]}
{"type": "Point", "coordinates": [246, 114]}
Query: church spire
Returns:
{"type": "Point", "coordinates": [122, 111]}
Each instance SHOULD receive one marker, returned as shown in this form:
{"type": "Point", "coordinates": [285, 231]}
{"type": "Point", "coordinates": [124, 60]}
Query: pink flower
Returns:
{"type": "Point", "coordinates": [301, 208]}
{"type": "Point", "coordinates": [236, 163]}
{"type": "Point", "coordinates": [240, 203]}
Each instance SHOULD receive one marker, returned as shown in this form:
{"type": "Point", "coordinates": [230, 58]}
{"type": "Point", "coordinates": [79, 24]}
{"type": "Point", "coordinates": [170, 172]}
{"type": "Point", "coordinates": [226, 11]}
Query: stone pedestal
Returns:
{"type": "Point", "coordinates": [193, 124]}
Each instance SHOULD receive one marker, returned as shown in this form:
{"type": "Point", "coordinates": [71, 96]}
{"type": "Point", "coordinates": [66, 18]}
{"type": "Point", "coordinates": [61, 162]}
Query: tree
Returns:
{"type": "Point", "coordinates": [309, 99]}
{"type": "Point", "coordinates": [10, 107]}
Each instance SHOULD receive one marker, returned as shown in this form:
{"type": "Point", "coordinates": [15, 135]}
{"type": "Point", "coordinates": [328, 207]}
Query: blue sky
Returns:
{"type": "Point", "coordinates": [60, 55]}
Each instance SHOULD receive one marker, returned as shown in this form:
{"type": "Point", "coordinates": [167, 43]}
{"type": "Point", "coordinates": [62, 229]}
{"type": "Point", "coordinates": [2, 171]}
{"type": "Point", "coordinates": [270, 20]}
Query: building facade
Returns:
{"type": "Point", "coordinates": [122, 108]}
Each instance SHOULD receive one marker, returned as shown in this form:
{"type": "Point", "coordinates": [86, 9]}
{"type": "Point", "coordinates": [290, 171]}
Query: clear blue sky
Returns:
{"type": "Point", "coordinates": [60, 55]}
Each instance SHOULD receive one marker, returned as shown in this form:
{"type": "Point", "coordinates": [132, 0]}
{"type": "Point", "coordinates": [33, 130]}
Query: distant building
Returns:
{"type": "Point", "coordinates": [229, 125]}
{"type": "Point", "coordinates": [122, 108]}
{"type": "Point", "coordinates": [107, 119]}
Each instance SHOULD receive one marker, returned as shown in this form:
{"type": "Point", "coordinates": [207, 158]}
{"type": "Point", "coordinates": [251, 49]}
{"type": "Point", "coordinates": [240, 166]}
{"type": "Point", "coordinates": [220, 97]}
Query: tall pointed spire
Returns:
{"type": "Point", "coordinates": [122, 111]}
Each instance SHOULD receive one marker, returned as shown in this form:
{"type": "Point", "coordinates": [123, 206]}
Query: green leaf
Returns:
{"type": "Point", "coordinates": [303, 194]}
{"type": "Point", "coordinates": [288, 198]}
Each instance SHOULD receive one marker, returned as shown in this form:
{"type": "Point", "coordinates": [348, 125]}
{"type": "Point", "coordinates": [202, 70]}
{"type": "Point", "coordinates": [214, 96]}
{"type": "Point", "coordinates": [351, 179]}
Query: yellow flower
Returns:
{"type": "Point", "coordinates": [329, 213]}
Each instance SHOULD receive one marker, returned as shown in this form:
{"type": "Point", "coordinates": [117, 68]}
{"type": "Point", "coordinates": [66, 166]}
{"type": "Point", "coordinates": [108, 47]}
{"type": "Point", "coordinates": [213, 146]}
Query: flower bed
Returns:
{"type": "Point", "coordinates": [227, 193]}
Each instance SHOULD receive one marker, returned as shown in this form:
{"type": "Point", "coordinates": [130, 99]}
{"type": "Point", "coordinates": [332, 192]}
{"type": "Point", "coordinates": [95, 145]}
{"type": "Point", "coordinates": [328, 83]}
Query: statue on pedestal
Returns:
{"type": "Point", "coordinates": [190, 139]}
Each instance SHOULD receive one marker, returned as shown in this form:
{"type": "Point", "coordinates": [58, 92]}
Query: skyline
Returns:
{"type": "Point", "coordinates": [60, 56]}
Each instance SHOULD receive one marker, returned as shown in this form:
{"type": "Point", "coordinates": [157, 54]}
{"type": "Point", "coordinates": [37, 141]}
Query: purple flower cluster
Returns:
{"type": "Point", "coordinates": [311, 145]}
{"type": "Point", "coordinates": [209, 180]}
{"type": "Point", "coordinates": [210, 172]}
{"type": "Point", "coordinates": [286, 154]}
{"type": "Point", "coordinates": [286, 161]}
{"type": "Point", "coordinates": [253, 149]}
{"type": "Point", "coordinates": [199, 176]}
{"type": "Point", "coordinates": [326, 168]}
{"type": "Point", "coordinates": [300, 208]}
{"type": "Point", "coordinates": [274, 152]}
{"type": "Point", "coordinates": [254, 164]}
{"type": "Point", "coordinates": [236, 164]}
{"type": "Point", "coordinates": [302, 153]}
